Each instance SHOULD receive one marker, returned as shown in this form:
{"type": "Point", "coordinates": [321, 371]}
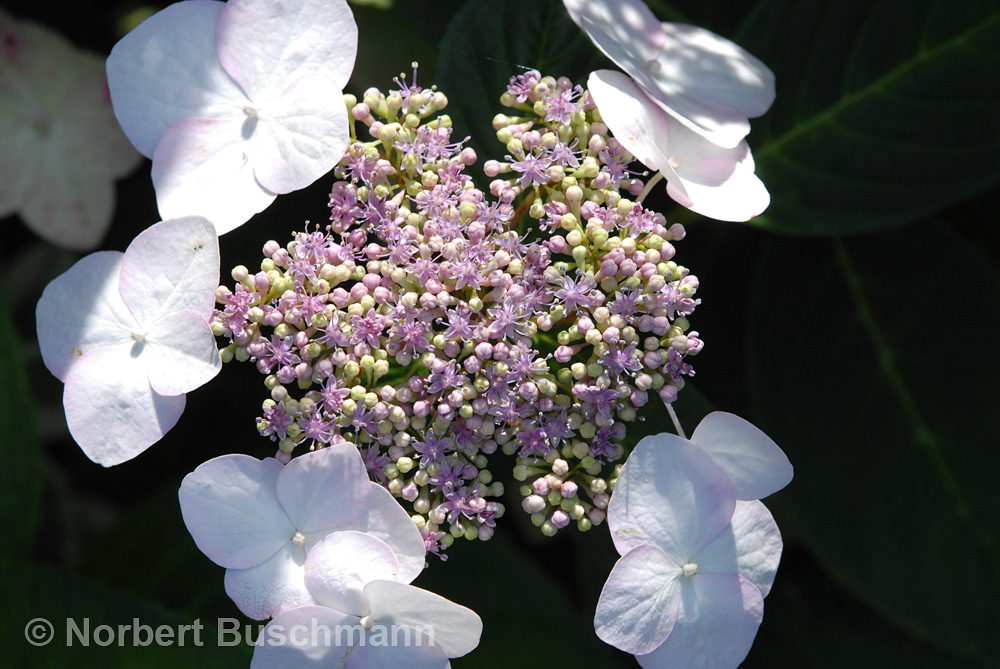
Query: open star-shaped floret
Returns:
{"type": "Point", "coordinates": [259, 519]}
{"type": "Point", "coordinates": [61, 148]}
{"type": "Point", "coordinates": [696, 563]}
{"type": "Point", "coordinates": [356, 580]}
{"type": "Point", "coordinates": [704, 81]}
{"type": "Point", "coordinates": [128, 334]}
{"type": "Point", "coordinates": [713, 181]}
{"type": "Point", "coordinates": [235, 102]}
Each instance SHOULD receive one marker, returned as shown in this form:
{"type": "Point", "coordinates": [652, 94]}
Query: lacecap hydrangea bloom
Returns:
{"type": "Point", "coordinates": [435, 325]}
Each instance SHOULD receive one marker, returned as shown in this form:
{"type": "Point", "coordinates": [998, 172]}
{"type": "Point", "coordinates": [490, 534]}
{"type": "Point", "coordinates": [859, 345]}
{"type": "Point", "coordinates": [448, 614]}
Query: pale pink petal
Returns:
{"type": "Point", "coordinates": [714, 182]}
{"type": "Point", "coordinates": [82, 311]}
{"type": "Point", "coordinates": [639, 602]}
{"type": "Point", "coordinates": [232, 512]}
{"type": "Point", "coordinates": [112, 412]}
{"type": "Point", "coordinates": [300, 136]}
{"type": "Point", "coordinates": [756, 465]}
{"type": "Point", "coordinates": [297, 639]}
{"type": "Point", "coordinates": [716, 624]}
{"type": "Point", "coordinates": [627, 27]}
{"type": "Point", "coordinates": [170, 267]}
{"type": "Point", "coordinates": [750, 546]}
{"type": "Point", "coordinates": [181, 353]}
{"type": "Point", "coordinates": [384, 518]}
{"type": "Point", "coordinates": [414, 650]}
{"type": "Point", "coordinates": [166, 70]}
{"type": "Point", "coordinates": [268, 44]}
{"type": "Point", "coordinates": [325, 489]}
{"type": "Point", "coordinates": [339, 566]}
{"type": "Point", "coordinates": [203, 167]}
{"type": "Point", "coordinates": [638, 124]}
{"type": "Point", "coordinates": [672, 495]}
{"type": "Point", "coordinates": [456, 629]}
{"type": "Point", "coordinates": [272, 587]}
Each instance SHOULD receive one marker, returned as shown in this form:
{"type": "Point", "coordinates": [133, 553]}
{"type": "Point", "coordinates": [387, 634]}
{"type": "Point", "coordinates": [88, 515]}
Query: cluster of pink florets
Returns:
{"type": "Point", "coordinates": [433, 324]}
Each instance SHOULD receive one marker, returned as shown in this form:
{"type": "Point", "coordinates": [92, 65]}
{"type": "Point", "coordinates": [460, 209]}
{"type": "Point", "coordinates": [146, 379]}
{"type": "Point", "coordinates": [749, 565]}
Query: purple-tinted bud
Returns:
{"type": "Point", "coordinates": [480, 406]}
{"type": "Point", "coordinates": [456, 398]}
{"type": "Point", "coordinates": [660, 325]}
{"type": "Point", "coordinates": [491, 168]}
{"type": "Point", "coordinates": [557, 244]}
{"type": "Point", "coordinates": [357, 238]}
{"type": "Point", "coordinates": [421, 408]}
{"type": "Point", "coordinates": [647, 271]}
{"type": "Point", "coordinates": [303, 370]}
{"type": "Point", "coordinates": [467, 156]}
{"type": "Point", "coordinates": [280, 257]}
{"type": "Point", "coordinates": [560, 518]}
{"type": "Point", "coordinates": [361, 111]}
{"type": "Point", "coordinates": [563, 354]}
{"type": "Point", "coordinates": [410, 491]}
{"type": "Point", "coordinates": [584, 325]}
{"type": "Point", "coordinates": [639, 398]}
{"type": "Point", "coordinates": [500, 351]}
{"type": "Point", "coordinates": [286, 374]}
{"type": "Point", "coordinates": [611, 335]}
{"type": "Point", "coordinates": [602, 180]}
{"type": "Point", "coordinates": [415, 384]}
{"type": "Point", "coordinates": [340, 297]}
{"type": "Point", "coordinates": [371, 281]}
{"type": "Point", "coordinates": [668, 394]}
{"type": "Point", "coordinates": [609, 267]}
{"type": "Point", "coordinates": [652, 359]}
{"type": "Point", "coordinates": [381, 294]}
{"type": "Point", "coordinates": [282, 457]}
{"type": "Point", "coordinates": [358, 291]}
{"type": "Point", "coordinates": [485, 533]}
{"type": "Point", "coordinates": [546, 404]}
{"type": "Point", "coordinates": [627, 268]}
{"type": "Point", "coordinates": [428, 301]}
{"type": "Point", "coordinates": [568, 490]}
{"type": "Point", "coordinates": [256, 348]}
{"type": "Point", "coordinates": [261, 281]}
{"type": "Point", "coordinates": [270, 248]}
{"type": "Point", "coordinates": [528, 391]}
{"type": "Point", "coordinates": [452, 349]}
{"type": "Point", "coordinates": [381, 411]}
{"type": "Point", "coordinates": [473, 422]}
{"type": "Point", "coordinates": [473, 364]}
{"type": "Point", "coordinates": [540, 486]}
{"type": "Point", "coordinates": [596, 516]}
{"type": "Point", "coordinates": [274, 318]}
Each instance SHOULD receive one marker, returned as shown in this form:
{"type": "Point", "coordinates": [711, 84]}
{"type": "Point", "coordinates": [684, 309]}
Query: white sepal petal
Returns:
{"type": "Point", "coordinates": [756, 465]}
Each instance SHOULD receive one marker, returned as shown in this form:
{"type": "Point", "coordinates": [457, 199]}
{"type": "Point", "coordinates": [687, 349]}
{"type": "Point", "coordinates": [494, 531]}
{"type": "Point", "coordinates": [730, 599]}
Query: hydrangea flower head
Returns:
{"type": "Point", "coordinates": [128, 334]}
{"type": "Point", "coordinates": [259, 519]}
{"type": "Point", "coordinates": [696, 563]}
{"type": "Point", "coordinates": [60, 149]}
{"type": "Point", "coordinates": [704, 81]}
{"type": "Point", "coordinates": [235, 102]}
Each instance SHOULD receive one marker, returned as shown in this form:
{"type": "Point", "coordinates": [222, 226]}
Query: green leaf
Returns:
{"type": "Point", "coordinates": [885, 113]}
{"type": "Point", "coordinates": [882, 390]}
{"type": "Point", "coordinates": [488, 43]}
{"type": "Point", "coordinates": [22, 477]}
{"type": "Point", "coordinates": [76, 608]}
{"type": "Point", "coordinates": [534, 612]}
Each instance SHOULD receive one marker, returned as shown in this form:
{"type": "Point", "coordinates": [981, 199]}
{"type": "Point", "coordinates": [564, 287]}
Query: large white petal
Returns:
{"type": "Point", "coordinates": [412, 650]}
{"type": "Point", "coordinates": [203, 166]}
{"type": "Point", "coordinates": [231, 510]}
{"type": "Point", "coordinates": [750, 546]}
{"type": "Point", "coordinates": [716, 625]}
{"type": "Point", "coordinates": [182, 353]}
{"type": "Point", "coordinates": [639, 602]}
{"type": "Point", "coordinates": [300, 136]}
{"type": "Point", "coordinates": [81, 311]}
{"type": "Point", "coordinates": [297, 638]}
{"type": "Point", "coordinates": [384, 518]}
{"type": "Point", "coordinates": [169, 267]}
{"type": "Point", "coordinates": [325, 489]}
{"type": "Point", "coordinates": [268, 44]}
{"type": "Point", "coordinates": [112, 412]}
{"type": "Point", "coordinates": [634, 120]}
{"type": "Point", "coordinates": [166, 70]}
{"type": "Point", "coordinates": [272, 587]}
{"type": "Point", "coordinates": [671, 494]}
{"type": "Point", "coordinates": [339, 566]}
{"type": "Point", "coordinates": [456, 629]}
{"type": "Point", "coordinates": [757, 466]}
